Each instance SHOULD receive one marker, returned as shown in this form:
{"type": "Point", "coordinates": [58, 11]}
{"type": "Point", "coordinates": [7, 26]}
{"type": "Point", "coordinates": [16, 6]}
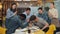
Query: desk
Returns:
{"type": "Point", "coordinates": [25, 31]}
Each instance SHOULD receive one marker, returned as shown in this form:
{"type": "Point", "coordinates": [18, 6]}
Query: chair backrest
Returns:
{"type": "Point", "coordinates": [51, 30]}
{"type": "Point", "coordinates": [2, 30]}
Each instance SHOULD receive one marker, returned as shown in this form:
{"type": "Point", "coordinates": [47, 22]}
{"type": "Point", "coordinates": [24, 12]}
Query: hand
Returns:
{"type": "Point", "coordinates": [42, 29]}
{"type": "Point", "coordinates": [15, 13]}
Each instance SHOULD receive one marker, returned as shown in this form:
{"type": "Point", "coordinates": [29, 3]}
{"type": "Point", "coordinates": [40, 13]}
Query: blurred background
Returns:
{"type": "Point", "coordinates": [23, 4]}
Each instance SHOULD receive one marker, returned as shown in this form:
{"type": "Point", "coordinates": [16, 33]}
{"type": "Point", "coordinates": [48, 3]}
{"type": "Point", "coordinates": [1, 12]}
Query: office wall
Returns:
{"type": "Point", "coordinates": [57, 4]}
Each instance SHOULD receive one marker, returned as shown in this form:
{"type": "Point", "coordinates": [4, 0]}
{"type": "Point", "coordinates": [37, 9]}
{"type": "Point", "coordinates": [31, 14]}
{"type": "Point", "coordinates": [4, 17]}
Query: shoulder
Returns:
{"type": "Point", "coordinates": [36, 14]}
{"type": "Point", "coordinates": [55, 9]}
{"type": "Point", "coordinates": [41, 19]}
{"type": "Point", "coordinates": [24, 12]}
{"type": "Point", "coordinates": [49, 9]}
{"type": "Point", "coordinates": [8, 9]}
{"type": "Point", "coordinates": [45, 13]}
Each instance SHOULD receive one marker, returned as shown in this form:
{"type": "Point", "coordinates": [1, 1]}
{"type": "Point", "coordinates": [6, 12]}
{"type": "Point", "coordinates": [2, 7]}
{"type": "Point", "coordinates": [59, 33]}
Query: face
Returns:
{"type": "Point", "coordinates": [35, 20]}
{"type": "Point", "coordinates": [28, 12]}
{"type": "Point", "coordinates": [40, 11]}
{"type": "Point", "coordinates": [14, 7]}
{"type": "Point", "coordinates": [51, 5]}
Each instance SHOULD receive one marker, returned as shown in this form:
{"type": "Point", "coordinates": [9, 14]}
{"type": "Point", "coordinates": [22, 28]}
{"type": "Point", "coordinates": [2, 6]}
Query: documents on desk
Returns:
{"type": "Point", "coordinates": [34, 30]}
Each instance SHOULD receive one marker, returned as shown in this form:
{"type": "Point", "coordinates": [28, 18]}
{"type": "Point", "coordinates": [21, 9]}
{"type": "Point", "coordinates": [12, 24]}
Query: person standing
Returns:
{"type": "Point", "coordinates": [53, 15]}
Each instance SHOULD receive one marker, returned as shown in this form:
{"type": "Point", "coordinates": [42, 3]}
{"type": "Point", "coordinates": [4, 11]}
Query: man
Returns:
{"type": "Point", "coordinates": [27, 13]}
{"type": "Point", "coordinates": [42, 14]}
{"type": "Point", "coordinates": [42, 24]}
{"type": "Point", "coordinates": [23, 21]}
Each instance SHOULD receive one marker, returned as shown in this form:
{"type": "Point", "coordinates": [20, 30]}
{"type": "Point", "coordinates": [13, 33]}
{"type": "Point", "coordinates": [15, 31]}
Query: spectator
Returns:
{"type": "Point", "coordinates": [43, 15]}
{"type": "Point", "coordinates": [28, 14]}
{"type": "Point", "coordinates": [12, 19]}
{"type": "Point", "coordinates": [53, 15]}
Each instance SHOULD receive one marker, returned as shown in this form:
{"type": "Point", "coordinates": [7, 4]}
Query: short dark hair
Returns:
{"type": "Point", "coordinates": [40, 8]}
{"type": "Point", "coordinates": [13, 4]}
{"type": "Point", "coordinates": [23, 15]}
{"type": "Point", "coordinates": [53, 3]}
{"type": "Point", "coordinates": [28, 9]}
{"type": "Point", "coordinates": [33, 17]}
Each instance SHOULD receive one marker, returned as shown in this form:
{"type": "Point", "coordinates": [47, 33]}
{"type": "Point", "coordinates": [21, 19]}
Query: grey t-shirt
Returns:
{"type": "Point", "coordinates": [41, 23]}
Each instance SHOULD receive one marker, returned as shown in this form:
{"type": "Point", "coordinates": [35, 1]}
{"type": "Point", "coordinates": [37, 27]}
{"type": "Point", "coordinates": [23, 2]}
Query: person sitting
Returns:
{"type": "Point", "coordinates": [42, 14]}
{"type": "Point", "coordinates": [23, 21]}
{"type": "Point", "coordinates": [27, 13]}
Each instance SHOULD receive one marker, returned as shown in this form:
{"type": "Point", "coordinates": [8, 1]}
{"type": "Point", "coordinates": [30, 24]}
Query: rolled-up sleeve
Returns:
{"type": "Point", "coordinates": [43, 21]}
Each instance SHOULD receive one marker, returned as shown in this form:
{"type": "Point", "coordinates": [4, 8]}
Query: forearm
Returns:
{"type": "Point", "coordinates": [45, 27]}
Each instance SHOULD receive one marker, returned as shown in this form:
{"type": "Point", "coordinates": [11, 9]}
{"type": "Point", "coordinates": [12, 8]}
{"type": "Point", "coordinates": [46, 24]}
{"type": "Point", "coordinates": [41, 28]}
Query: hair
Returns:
{"type": "Point", "coordinates": [23, 16]}
{"type": "Point", "coordinates": [40, 8]}
{"type": "Point", "coordinates": [11, 7]}
{"type": "Point", "coordinates": [33, 17]}
{"type": "Point", "coordinates": [53, 3]}
{"type": "Point", "coordinates": [46, 9]}
{"type": "Point", "coordinates": [28, 9]}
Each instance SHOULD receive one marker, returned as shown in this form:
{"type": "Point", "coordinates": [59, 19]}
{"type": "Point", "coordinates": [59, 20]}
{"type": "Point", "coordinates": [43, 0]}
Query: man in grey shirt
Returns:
{"type": "Point", "coordinates": [42, 24]}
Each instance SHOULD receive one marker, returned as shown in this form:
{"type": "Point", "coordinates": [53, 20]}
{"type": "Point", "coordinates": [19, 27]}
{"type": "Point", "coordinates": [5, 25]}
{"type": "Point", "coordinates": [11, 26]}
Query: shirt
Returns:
{"type": "Point", "coordinates": [27, 16]}
{"type": "Point", "coordinates": [23, 23]}
{"type": "Point", "coordinates": [40, 23]}
{"type": "Point", "coordinates": [44, 15]}
{"type": "Point", "coordinates": [9, 14]}
{"type": "Point", "coordinates": [53, 12]}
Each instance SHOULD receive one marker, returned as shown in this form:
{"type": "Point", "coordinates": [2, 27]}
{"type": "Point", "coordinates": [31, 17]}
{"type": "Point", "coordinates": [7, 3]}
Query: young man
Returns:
{"type": "Point", "coordinates": [27, 13]}
{"type": "Point", "coordinates": [42, 24]}
{"type": "Point", "coordinates": [23, 21]}
{"type": "Point", "coordinates": [42, 14]}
